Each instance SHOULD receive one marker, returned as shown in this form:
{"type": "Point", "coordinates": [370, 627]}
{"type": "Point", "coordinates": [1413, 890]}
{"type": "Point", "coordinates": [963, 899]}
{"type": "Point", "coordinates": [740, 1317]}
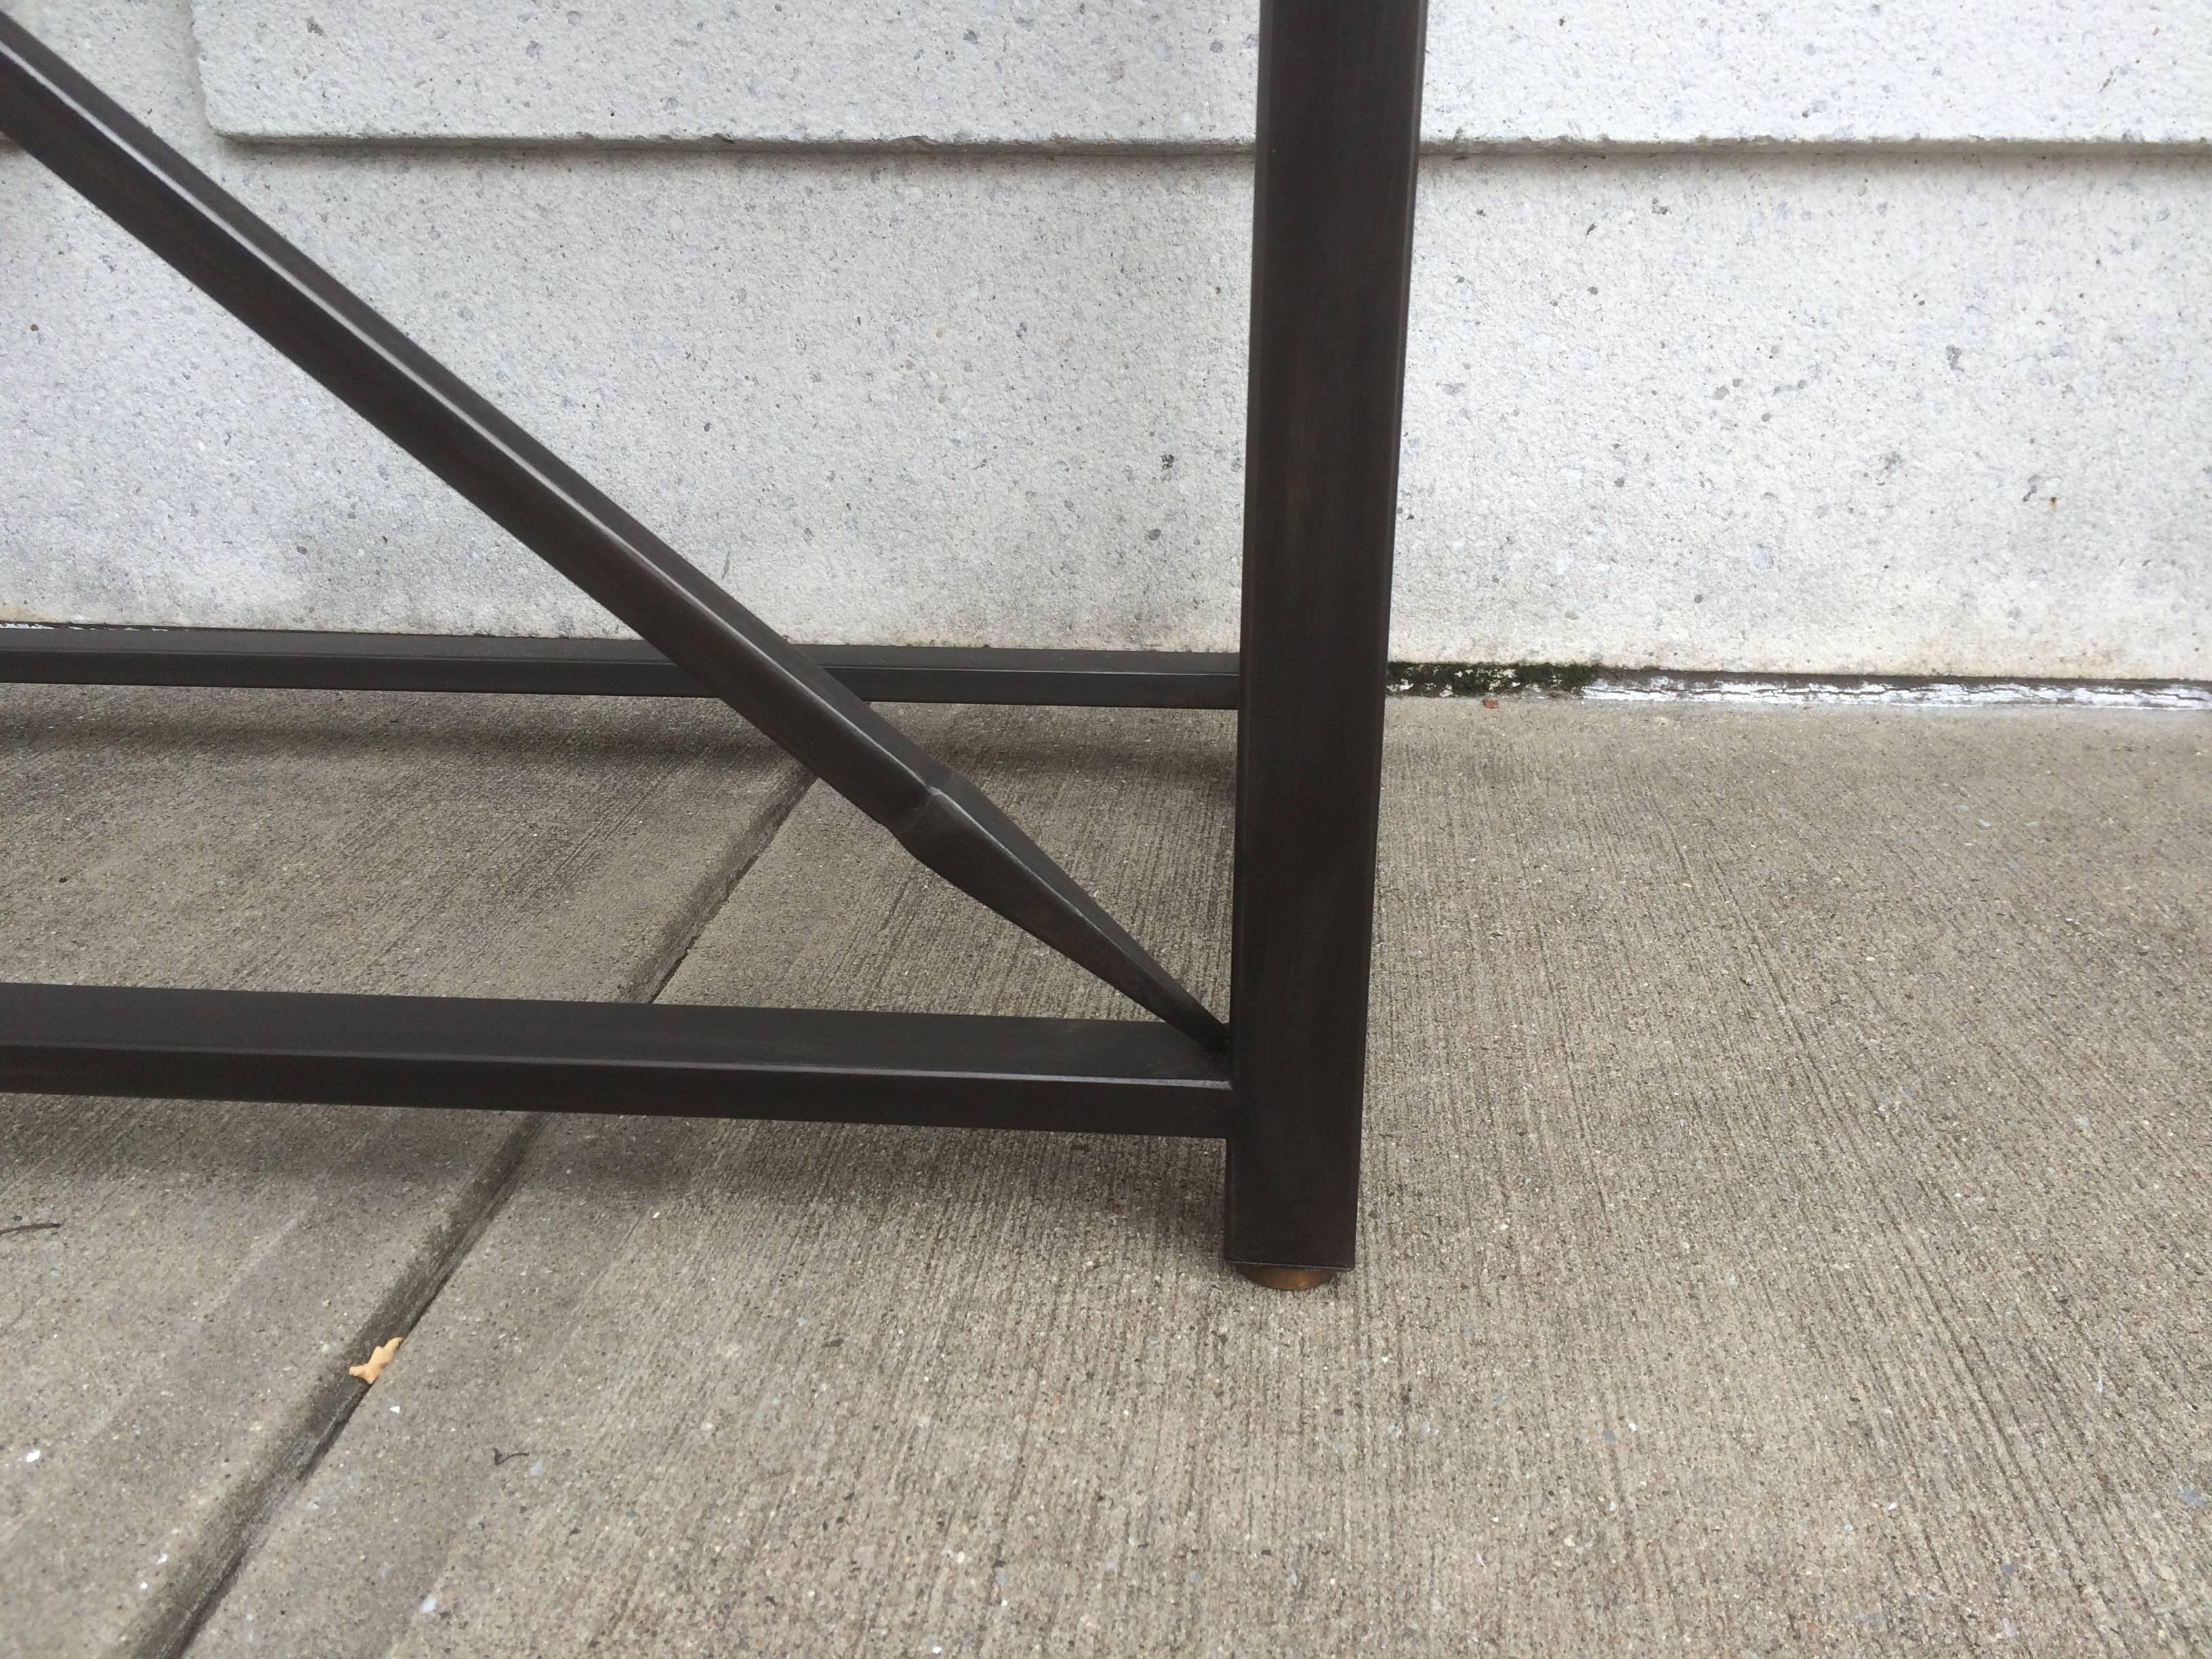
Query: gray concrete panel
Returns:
{"type": "Point", "coordinates": [184, 1284]}
{"type": "Point", "coordinates": [1112, 72]}
{"type": "Point", "coordinates": [1909, 415]}
{"type": "Point", "coordinates": [1784, 1220]}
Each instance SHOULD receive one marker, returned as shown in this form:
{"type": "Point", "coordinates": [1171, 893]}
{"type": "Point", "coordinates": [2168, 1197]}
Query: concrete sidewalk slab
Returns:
{"type": "Point", "coordinates": [1783, 1224]}
{"type": "Point", "coordinates": [174, 1345]}
{"type": "Point", "coordinates": [1135, 804]}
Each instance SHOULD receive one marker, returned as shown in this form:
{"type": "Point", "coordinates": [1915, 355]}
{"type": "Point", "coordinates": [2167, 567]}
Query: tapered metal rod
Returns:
{"type": "Point", "coordinates": [941, 816]}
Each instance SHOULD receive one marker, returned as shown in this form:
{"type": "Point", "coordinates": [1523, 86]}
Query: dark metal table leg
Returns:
{"type": "Point", "coordinates": [1339, 121]}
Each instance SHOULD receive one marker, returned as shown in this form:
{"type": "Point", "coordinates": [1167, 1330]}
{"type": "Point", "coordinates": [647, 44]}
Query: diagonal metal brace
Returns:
{"type": "Point", "coordinates": [938, 815]}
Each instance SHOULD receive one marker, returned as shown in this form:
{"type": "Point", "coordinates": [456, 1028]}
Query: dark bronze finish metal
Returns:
{"type": "Point", "coordinates": [1340, 105]}
{"type": "Point", "coordinates": [653, 1059]}
{"type": "Point", "coordinates": [603, 668]}
{"type": "Point", "coordinates": [1332, 255]}
{"type": "Point", "coordinates": [937, 815]}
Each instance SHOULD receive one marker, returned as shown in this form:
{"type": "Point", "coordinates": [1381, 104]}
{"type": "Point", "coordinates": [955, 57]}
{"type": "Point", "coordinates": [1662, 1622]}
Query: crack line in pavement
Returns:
{"type": "Point", "coordinates": [765, 830]}
{"type": "Point", "coordinates": [402, 1309]}
{"type": "Point", "coordinates": [334, 1404]}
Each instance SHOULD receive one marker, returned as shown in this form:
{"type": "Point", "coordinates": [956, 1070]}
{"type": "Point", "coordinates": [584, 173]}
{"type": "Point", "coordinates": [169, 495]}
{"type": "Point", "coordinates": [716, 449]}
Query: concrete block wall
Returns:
{"type": "Point", "coordinates": [1776, 337]}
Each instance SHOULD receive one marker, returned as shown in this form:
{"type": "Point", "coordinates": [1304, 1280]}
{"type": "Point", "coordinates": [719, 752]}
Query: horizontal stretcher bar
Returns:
{"type": "Point", "coordinates": [1100, 1077]}
{"type": "Point", "coordinates": [605, 668]}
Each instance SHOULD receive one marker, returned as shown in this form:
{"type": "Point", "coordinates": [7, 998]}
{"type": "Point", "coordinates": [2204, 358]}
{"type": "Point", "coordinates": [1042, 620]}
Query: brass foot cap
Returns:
{"type": "Point", "coordinates": [1287, 1279]}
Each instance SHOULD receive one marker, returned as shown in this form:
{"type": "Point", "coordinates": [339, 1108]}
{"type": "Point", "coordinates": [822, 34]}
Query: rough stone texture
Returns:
{"type": "Point", "coordinates": [1785, 1225]}
{"type": "Point", "coordinates": [1842, 409]}
{"type": "Point", "coordinates": [1112, 72]}
{"type": "Point", "coordinates": [1910, 414]}
{"type": "Point", "coordinates": [174, 1351]}
{"type": "Point", "coordinates": [135, 52]}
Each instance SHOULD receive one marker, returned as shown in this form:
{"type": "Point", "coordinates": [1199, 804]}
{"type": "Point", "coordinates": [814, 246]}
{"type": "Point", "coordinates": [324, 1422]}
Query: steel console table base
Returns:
{"type": "Point", "coordinates": [1283, 1084]}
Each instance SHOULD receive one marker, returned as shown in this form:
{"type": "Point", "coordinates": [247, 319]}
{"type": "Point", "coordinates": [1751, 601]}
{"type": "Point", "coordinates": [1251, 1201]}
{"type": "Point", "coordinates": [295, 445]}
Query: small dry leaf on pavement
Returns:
{"type": "Point", "coordinates": [379, 1358]}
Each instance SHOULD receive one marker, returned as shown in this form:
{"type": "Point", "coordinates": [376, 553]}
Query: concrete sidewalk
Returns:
{"type": "Point", "coordinates": [1785, 1206]}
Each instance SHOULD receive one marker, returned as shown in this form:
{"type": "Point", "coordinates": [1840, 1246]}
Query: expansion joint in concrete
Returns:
{"type": "Point", "coordinates": [255, 1510]}
{"type": "Point", "coordinates": [713, 892]}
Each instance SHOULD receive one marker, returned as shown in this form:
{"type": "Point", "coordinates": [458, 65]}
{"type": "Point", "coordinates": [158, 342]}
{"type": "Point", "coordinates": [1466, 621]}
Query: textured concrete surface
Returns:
{"type": "Point", "coordinates": [1811, 419]}
{"type": "Point", "coordinates": [1113, 72]}
{"type": "Point", "coordinates": [1830, 408]}
{"type": "Point", "coordinates": [183, 1284]}
{"type": "Point", "coordinates": [1785, 1211]}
